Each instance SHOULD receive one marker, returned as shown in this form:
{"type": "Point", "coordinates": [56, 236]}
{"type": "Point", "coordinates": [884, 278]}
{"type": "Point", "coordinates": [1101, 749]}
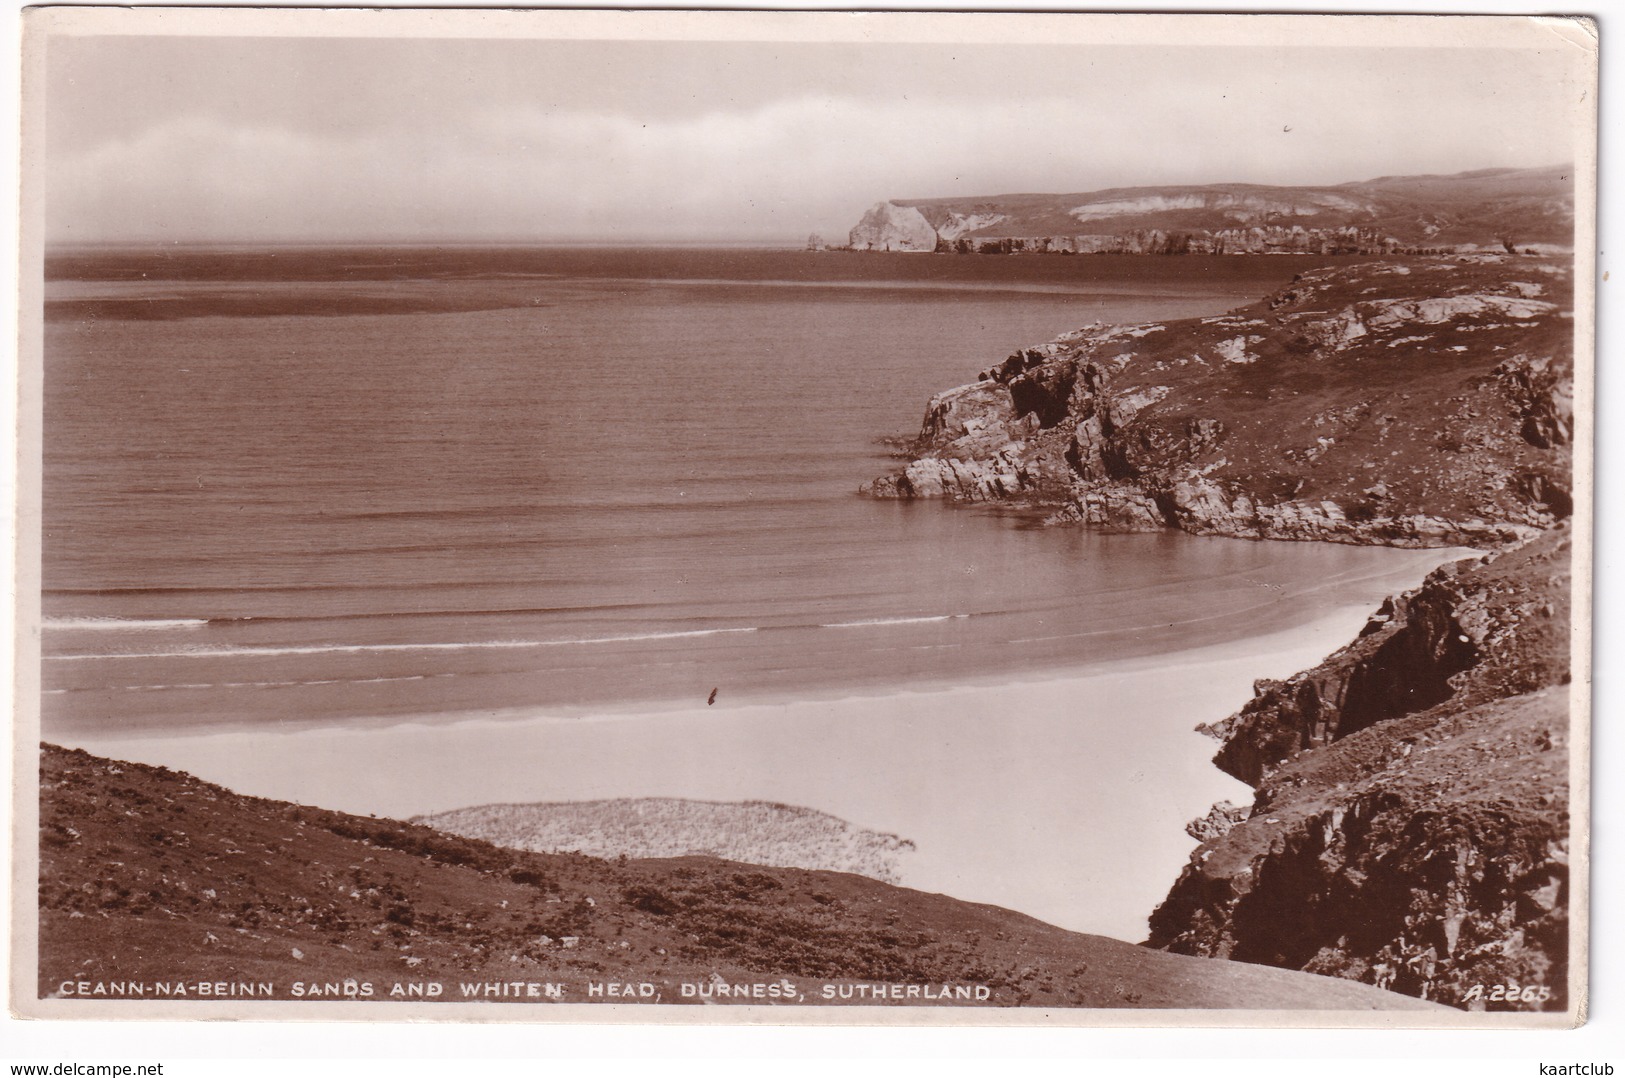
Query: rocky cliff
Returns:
{"type": "Point", "coordinates": [1411, 825]}
{"type": "Point", "coordinates": [1501, 209]}
{"type": "Point", "coordinates": [1414, 403]}
{"type": "Point", "coordinates": [1410, 828]}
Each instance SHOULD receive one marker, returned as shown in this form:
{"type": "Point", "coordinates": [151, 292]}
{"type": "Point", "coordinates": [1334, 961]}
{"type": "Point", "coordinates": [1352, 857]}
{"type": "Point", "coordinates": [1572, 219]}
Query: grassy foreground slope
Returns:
{"type": "Point", "coordinates": [151, 875]}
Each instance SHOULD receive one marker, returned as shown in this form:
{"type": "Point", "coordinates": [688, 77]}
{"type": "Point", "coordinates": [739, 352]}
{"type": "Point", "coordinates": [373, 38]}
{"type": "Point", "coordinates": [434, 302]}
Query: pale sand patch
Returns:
{"type": "Point", "coordinates": [1064, 798]}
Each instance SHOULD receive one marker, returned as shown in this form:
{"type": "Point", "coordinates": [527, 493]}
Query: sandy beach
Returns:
{"type": "Point", "coordinates": [1064, 797]}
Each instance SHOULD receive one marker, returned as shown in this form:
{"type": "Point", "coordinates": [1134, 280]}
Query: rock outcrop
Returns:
{"type": "Point", "coordinates": [1411, 825]}
{"type": "Point", "coordinates": [1422, 403]}
{"type": "Point", "coordinates": [754, 832]}
{"type": "Point", "coordinates": [1474, 631]}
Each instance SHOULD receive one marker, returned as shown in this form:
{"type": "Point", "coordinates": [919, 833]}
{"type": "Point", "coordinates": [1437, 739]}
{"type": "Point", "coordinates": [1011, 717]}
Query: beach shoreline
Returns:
{"type": "Point", "coordinates": [1063, 797]}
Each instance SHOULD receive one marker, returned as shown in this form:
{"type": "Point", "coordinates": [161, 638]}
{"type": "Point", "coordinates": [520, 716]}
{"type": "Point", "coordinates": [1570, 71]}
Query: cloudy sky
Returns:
{"type": "Point", "coordinates": [335, 139]}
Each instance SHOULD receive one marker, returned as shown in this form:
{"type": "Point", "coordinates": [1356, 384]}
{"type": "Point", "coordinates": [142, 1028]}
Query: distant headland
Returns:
{"type": "Point", "coordinates": [1511, 210]}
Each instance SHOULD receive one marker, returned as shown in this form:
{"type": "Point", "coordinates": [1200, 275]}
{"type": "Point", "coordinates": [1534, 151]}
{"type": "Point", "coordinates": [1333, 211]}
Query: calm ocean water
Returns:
{"type": "Point", "coordinates": [288, 486]}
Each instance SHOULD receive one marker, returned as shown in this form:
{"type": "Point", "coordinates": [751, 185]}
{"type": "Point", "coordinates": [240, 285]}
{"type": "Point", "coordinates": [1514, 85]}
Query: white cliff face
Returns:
{"type": "Point", "coordinates": [958, 224]}
{"type": "Point", "coordinates": [1124, 207]}
{"type": "Point", "coordinates": [889, 227]}
{"type": "Point", "coordinates": [1243, 208]}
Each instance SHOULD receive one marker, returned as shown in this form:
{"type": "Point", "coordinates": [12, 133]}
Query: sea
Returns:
{"type": "Point", "coordinates": [331, 488]}
{"type": "Point", "coordinates": [322, 485]}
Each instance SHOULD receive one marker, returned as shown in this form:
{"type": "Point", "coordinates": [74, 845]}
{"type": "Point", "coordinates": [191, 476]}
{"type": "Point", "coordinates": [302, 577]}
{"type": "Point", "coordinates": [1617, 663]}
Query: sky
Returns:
{"type": "Point", "coordinates": [205, 138]}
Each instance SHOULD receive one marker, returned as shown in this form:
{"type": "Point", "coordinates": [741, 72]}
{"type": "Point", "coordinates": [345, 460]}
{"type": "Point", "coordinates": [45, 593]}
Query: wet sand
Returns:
{"type": "Point", "coordinates": [1064, 797]}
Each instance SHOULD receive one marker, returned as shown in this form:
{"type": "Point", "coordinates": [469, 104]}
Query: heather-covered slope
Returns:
{"type": "Point", "coordinates": [1419, 403]}
{"type": "Point", "coordinates": [1493, 208]}
{"type": "Point", "coordinates": [1411, 826]}
{"type": "Point", "coordinates": [149, 875]}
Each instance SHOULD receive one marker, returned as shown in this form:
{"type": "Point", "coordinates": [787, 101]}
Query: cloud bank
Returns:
{"type": "Point", "coordinates": [508, 167]}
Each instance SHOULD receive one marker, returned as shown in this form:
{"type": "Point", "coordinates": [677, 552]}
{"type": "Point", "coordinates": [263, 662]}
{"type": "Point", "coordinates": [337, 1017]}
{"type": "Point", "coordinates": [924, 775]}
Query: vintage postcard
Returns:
{"type": "Point", "coordinates": [482, 556]}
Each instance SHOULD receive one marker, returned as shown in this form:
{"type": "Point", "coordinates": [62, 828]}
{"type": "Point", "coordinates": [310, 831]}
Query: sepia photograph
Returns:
{"type": "Point", "coordinates": [927, 518]}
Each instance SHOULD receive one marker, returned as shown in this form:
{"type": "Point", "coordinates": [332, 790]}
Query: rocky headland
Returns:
{"type": "Point", "coordinates": [1500, 209]}
{"type": "Point", "coordinates": [1424, 402]}
{"type": "Point", "coordinates": [1411, 824]}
